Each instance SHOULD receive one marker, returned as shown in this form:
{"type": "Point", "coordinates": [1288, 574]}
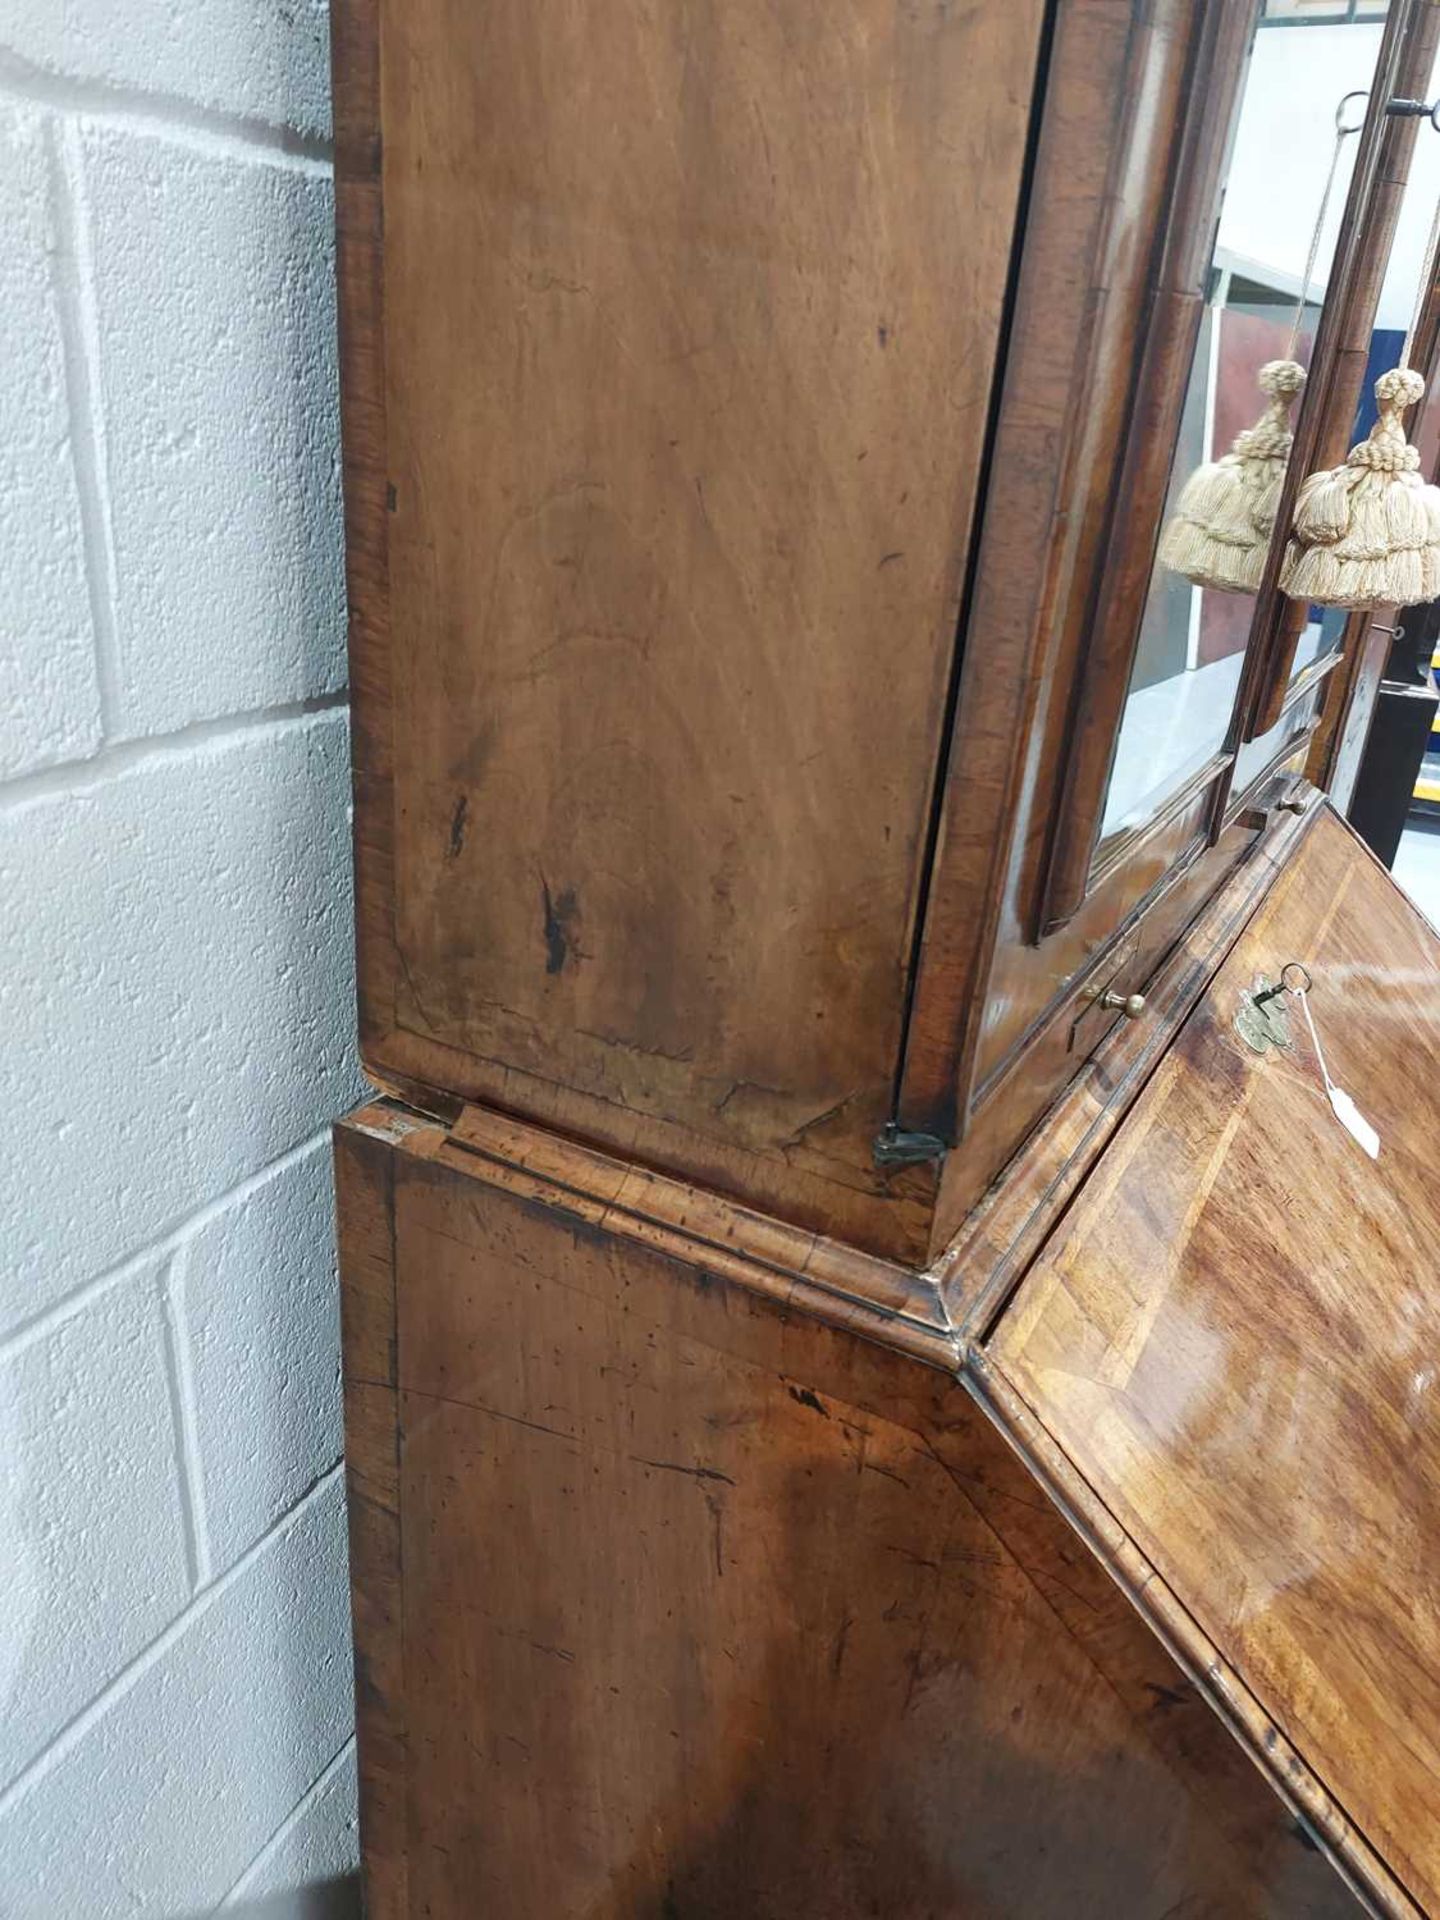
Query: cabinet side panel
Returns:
{"type": "Point", "coordinates": [691, 317]}
{"type": "Point", "coordinates": [364, 1181]}
{"type": "Point", "coordinates": [701, 1620]}
{"type": "Point", "coordinates": [360, 290]}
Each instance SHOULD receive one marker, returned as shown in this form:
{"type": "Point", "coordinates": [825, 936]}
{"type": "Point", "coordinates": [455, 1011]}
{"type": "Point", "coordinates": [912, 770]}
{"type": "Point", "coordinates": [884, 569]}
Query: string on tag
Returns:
{"type": "Point", "coordinates": [1422, 291]}
{"type": "Point", "coordinates": [1343, 1107]}
{"type": "Point", "coordinates": [1342, 134]}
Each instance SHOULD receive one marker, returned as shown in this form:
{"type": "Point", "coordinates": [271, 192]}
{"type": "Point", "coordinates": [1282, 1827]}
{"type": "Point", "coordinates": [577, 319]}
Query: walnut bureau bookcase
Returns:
{"type": "Point", "coordinates": [866, 1395]}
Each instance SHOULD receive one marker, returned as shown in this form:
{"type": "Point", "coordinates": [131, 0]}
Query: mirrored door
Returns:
{"type": "Point", "coordinates": [1295, 145]}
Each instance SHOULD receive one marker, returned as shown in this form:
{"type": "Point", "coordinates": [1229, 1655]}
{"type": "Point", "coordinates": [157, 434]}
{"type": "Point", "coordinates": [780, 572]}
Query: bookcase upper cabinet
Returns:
{"type": "Point", "coordinates": [758, 424]}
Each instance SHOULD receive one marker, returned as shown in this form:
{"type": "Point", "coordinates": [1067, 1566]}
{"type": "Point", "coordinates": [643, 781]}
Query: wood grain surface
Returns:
{"type": "Point", "coordinates": [364, 1190]}
{"type": "Point", "coordinates": [711, 1609]}
{"type": "Point", "coordinates": [997, 1239]}
{"type": "Point", "coordinates": [1233, 1336]}
{"type": "Point", "coordinates": [683, 329]}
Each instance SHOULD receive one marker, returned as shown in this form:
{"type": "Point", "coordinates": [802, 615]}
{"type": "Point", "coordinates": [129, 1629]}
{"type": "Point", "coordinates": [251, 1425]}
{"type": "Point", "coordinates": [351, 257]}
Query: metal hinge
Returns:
{"type": "Point", "coordinates": [894, 1147]}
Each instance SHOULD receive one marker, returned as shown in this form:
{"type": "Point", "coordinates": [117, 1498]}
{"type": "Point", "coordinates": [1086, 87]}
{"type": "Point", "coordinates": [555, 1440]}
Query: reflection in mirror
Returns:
{"type": "Point", "coordinates": [1394, 563]}
{"type": "Point", "coordinates": [1218, 532]}
{"type": "Point", "coordinates": [1258, 755]}
{"type": "Point", "coordinates": [1324, 630]}
{"type": "Point", "coordinates": [1262, 306]}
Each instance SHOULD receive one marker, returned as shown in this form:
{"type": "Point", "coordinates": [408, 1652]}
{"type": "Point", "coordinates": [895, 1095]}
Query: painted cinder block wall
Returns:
{"type": "Point", "coordinates": [176, 1011]}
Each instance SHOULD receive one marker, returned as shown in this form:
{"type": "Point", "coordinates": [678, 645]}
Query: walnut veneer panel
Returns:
{"type": "Point", "coordinates": [673, 1600]}
{"type": "Point", "coordinates": [1234, 1335]}
{"type": "Point", "coordinates": [689, 322]}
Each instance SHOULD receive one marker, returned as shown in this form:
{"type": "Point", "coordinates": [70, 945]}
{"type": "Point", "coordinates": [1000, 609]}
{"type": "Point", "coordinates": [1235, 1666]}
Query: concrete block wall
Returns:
{"type": "Point", "coordinates": [176, 1010]}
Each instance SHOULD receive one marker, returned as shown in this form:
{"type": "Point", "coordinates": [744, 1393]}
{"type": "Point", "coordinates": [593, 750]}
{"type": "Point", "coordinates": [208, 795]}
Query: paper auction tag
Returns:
{"type": "Point", "coordinates": [1344, 1108]}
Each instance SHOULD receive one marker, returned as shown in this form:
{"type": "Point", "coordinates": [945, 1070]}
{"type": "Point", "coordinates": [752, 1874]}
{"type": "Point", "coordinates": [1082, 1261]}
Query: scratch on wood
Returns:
{"type": "Point", "coordinates": [872, 1466]}
{"type": "Point", "coordinates": [915, 1559]}
{"type": "Point", "coordinates": [816, 1120]}
{"type": "Point", "coordinates": [837, 1659]}
{"type": "Point", "coordinates": [756, 1089]}
{"type": "Point", "coordinates": [674, 1466]}
{"type": "Point", "coordinates": [716, 1505]}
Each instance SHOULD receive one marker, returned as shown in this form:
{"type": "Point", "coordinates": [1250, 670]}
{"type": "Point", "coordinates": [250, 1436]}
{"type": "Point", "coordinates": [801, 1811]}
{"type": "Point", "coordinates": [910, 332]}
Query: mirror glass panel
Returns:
{"type": "Point", "coordinates": [1259, 755]}
{"type": "Point", "coordinates": [1219, 508]}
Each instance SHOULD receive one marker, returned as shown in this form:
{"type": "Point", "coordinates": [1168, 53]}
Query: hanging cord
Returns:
{"type": "Point", "coordinates": [1422, 292]}
{"type": "Point", "coordinates": [1342, 134]}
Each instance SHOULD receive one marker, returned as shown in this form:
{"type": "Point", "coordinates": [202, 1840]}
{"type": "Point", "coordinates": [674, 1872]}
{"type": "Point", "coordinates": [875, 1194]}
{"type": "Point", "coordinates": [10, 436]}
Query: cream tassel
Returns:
{"type": "Point", "coordinates": [1224, 520]}
{"type": "Point", "coordinates": [1220, 532]}
{"type": "Point", "coordinates": [1368, 534]}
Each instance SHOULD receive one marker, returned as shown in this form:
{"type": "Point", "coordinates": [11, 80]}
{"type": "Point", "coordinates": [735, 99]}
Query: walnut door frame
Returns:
{"type": "Point", "coordinates": [1078, 865]}
{"type": "Point", "coordinates": [1022, 929]}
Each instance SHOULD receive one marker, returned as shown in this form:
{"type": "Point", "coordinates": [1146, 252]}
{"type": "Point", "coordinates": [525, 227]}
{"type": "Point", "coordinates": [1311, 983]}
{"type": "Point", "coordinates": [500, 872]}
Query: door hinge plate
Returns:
{"type": "Point", "coordinates": [894, 1147]}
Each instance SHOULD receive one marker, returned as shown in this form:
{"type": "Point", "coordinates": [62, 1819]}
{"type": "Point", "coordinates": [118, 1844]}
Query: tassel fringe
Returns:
{"type": "Point", "coordinates": [1220, 532]}
{"type": "Point", "coordinates": [1368, 534]}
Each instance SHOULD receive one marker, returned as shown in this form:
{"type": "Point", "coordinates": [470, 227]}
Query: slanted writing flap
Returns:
{"type": "Point", "coordinates": [1234, 1336]}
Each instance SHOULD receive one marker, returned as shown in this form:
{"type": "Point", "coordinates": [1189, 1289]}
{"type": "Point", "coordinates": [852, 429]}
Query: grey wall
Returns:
{"type": "Point", "coordinates": [175, 987]}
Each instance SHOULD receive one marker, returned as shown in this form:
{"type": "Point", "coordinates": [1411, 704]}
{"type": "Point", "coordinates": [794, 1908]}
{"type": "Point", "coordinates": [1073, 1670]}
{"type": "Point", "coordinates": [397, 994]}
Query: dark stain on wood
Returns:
{"type": "Point", "coordinates": [561, 911]}
{"type": "Point", "coordinates": [715, 1502]}
{"type": "Point", "coordinates": [457, 826]}
{"type": "Point", "coordinates": [1167, 1696]}
{"type": "Point", "coordinates": [837, 1659]}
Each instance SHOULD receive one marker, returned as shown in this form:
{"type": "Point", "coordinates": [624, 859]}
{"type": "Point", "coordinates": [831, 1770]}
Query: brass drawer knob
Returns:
{"type": "Point", "coordinates": [1132, 1005]}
